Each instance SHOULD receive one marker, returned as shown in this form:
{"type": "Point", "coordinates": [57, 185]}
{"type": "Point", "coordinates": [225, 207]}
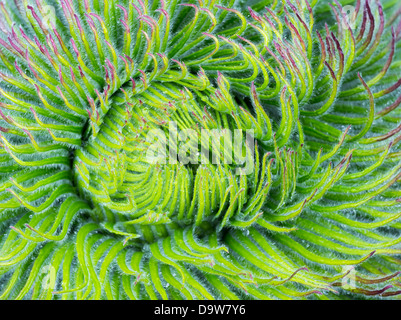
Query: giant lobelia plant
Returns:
{"type": "Point", "coordinates": [85, 215]}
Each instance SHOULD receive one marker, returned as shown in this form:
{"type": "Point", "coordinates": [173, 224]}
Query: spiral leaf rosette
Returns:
{"type": "Point", "coordinates": [274, 128]}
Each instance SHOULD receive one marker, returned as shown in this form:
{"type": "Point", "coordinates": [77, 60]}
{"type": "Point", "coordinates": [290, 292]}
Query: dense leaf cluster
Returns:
{"type": "Point", "coordinates": [84, 215]}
